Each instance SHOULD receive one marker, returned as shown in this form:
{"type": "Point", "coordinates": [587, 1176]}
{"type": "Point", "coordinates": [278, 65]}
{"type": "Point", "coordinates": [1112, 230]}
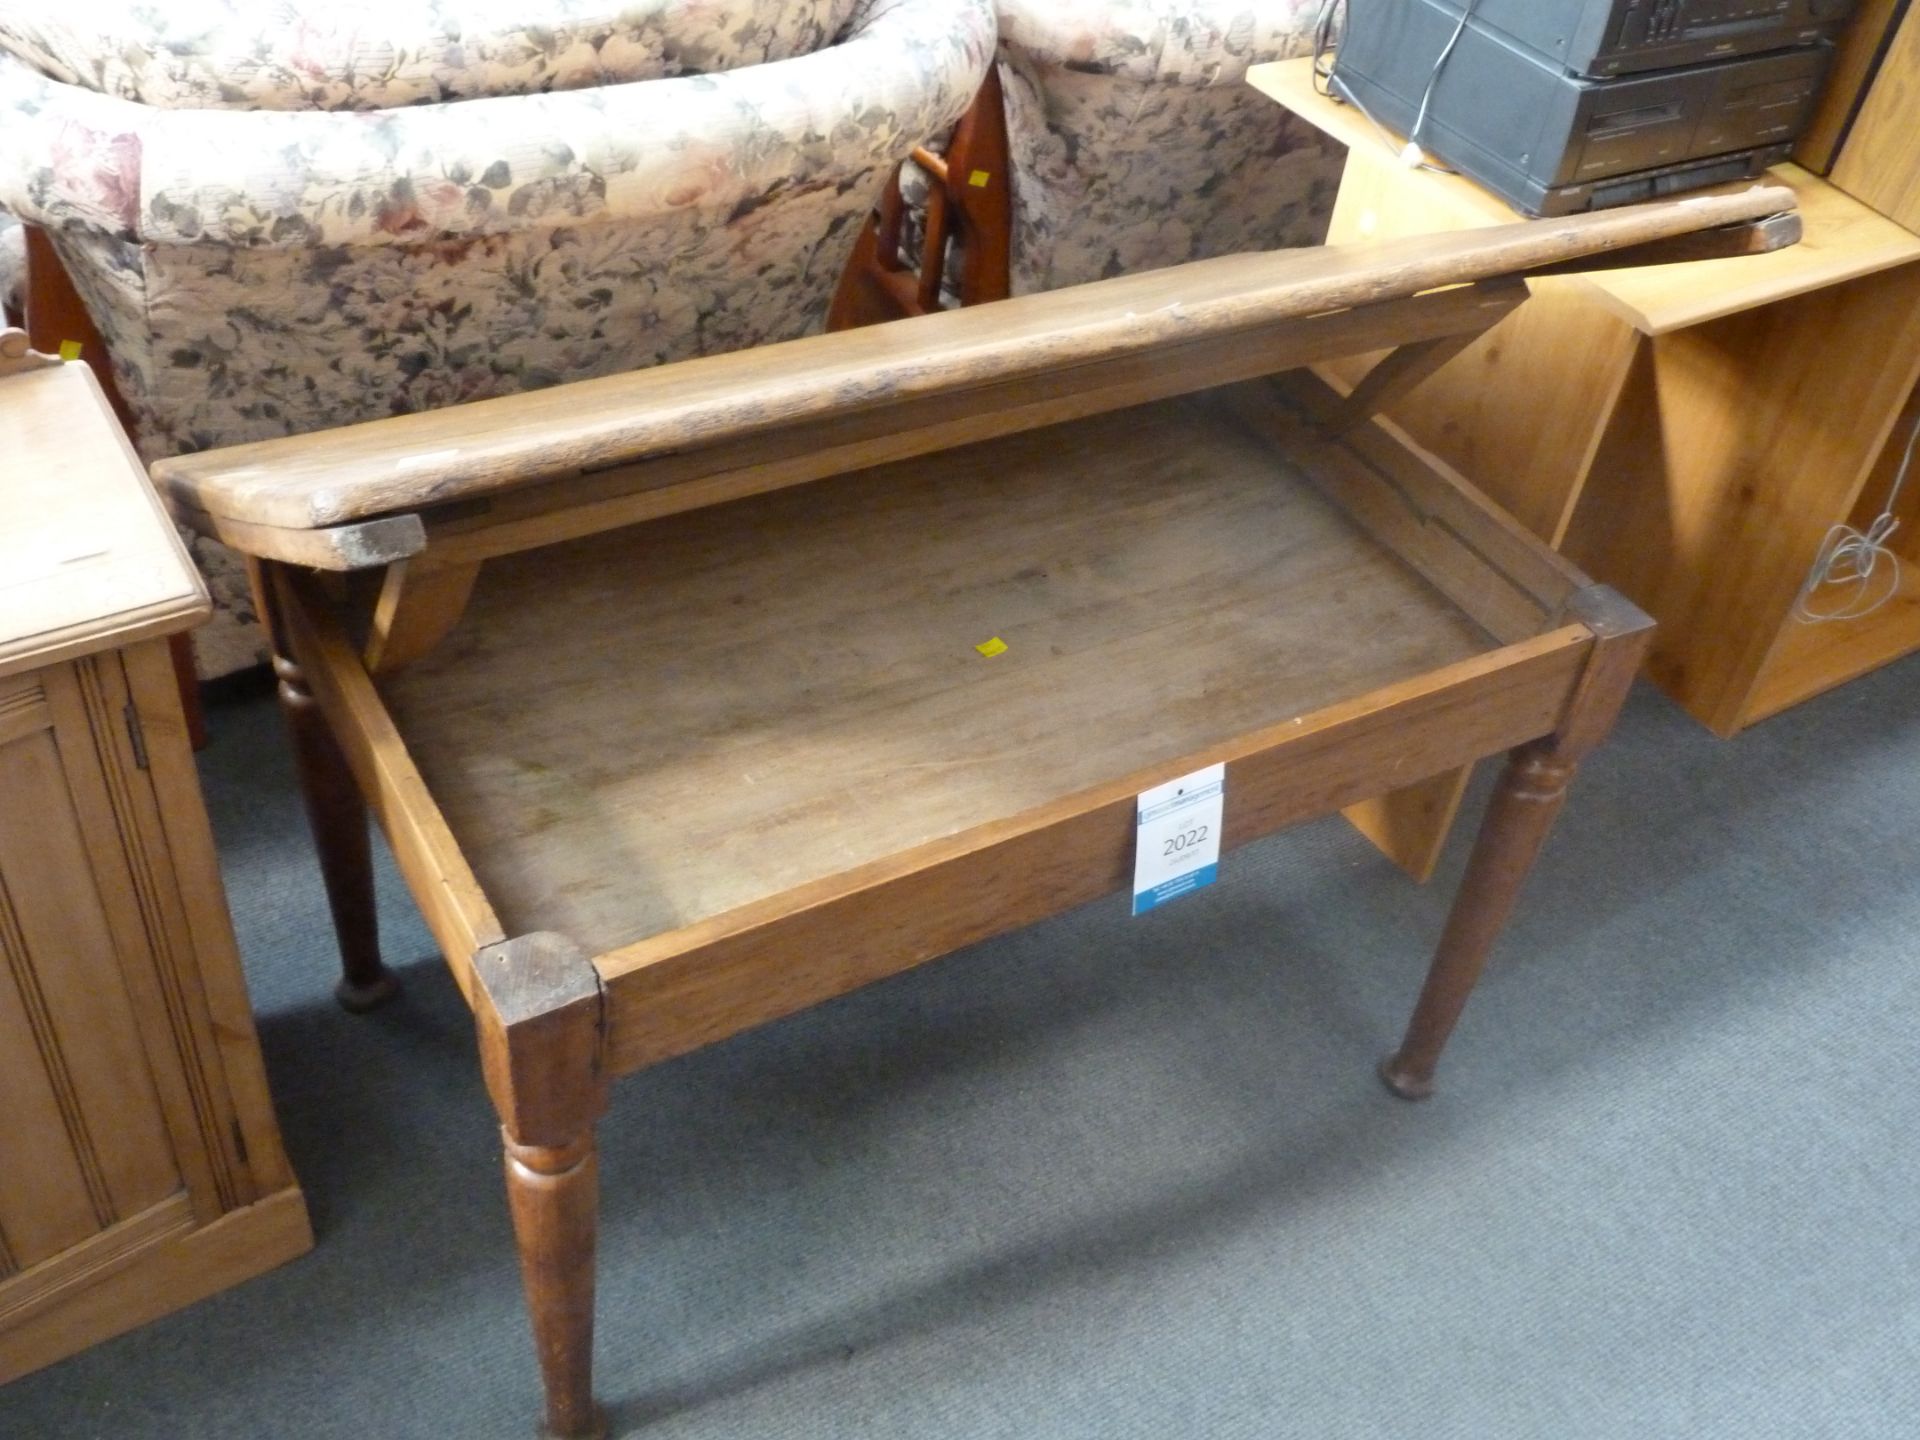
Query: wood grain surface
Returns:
{"type": "Point", "coordinates": [678, 991]}
{"type": "Point", "coordinates": [569, 507]}
{"type": "Point", "coordinates": [1880, 158]}
{"type": "Point", "coordinates": [1856, 54]}
{"type": "Point", "coordinates": [739, 700]}
{"type": "Point", "coordinates": [87, 557]}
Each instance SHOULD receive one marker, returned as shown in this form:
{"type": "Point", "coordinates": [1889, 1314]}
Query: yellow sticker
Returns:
{"type": "Point", "coordinates": [69, 350]}
{"type": "Point", "coordinates": [979, 179]}
{"type": "Point", "coordinates": [993, 647]}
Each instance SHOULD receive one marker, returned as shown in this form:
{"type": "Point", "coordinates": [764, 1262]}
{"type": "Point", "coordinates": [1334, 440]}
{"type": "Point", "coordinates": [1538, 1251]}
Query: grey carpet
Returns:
{"type": "Point", "coordinates": [1134, 1178]}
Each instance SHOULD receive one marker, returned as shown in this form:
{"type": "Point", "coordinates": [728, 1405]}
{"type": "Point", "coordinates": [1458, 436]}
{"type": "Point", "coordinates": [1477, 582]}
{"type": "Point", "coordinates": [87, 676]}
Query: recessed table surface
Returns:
{"type": "Point", "coordinates": [738, 700]}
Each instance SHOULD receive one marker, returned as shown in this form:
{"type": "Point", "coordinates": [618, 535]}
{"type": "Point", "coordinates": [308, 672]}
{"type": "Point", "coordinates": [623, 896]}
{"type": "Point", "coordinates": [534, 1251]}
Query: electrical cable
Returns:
{"type": "Point", "coordinates": [1328, 23]}
{"type": "Point", "coordinates": [1340, 92]}
{"type": "Point", "coordinates": [1325, 28]}
{"type": "Point", "coordinates": [1433, 79]}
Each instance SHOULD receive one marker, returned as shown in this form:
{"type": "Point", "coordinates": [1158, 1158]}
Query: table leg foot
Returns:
{"type": "Point", "coordinates": [1403, 1081]}
{"type": "Point", "coordinates": [357, 998]}
{"type": "Point", "coordinates": [335, 809]}
{"type": "Point", "coordinates": [596, 1429]}
{"type": "Point", "coordinates": [541, 1022]}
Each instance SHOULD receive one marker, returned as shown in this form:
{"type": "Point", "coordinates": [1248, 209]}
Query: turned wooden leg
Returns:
{"type": "Point", "coordinates": [539, 1012]}
{"type": "Point", "coordinates": [339, 819]}
{"type": "Point", "coordinates": [554, 1196]}
{"type": "Point", "coordinates": [337, 815]}
{"type": "Point", "coordinates": [1531, 792]}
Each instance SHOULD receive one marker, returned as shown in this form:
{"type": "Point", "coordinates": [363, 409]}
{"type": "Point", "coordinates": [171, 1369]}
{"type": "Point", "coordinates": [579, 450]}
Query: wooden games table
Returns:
{"type": "Point", "coordinates": [654, 783]}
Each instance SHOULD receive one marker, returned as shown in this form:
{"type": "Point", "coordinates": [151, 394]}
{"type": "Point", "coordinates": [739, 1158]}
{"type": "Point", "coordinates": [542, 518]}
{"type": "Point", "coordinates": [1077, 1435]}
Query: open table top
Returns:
{"type": "Point", "coordinates": [636, 732]}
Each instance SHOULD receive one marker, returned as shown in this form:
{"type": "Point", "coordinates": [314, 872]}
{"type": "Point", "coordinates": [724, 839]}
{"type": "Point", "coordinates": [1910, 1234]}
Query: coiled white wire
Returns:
{"type": "Point", "coordinates": [1850, 559]}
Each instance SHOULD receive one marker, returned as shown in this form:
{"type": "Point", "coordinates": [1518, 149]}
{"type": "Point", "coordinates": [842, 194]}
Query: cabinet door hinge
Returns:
{"type": "Point", "coordinates": [136, 735]}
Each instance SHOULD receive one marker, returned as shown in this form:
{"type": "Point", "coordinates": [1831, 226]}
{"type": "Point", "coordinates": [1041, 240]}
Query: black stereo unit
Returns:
{"type": "Point", "coordinates": [1617, 37]}
{"type": "Point", "coordinates": [1552, 142]}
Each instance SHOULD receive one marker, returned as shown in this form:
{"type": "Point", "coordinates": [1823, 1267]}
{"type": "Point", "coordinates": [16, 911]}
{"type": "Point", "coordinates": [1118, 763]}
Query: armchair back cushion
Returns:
{"type": "Point", "coordinates": [1137, 143]}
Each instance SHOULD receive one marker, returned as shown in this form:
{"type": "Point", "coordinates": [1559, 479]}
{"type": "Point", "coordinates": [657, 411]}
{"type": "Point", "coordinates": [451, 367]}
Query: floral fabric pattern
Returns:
{"type": "Point", "coordinates": [382, 54]}
{"type": "Point", "coordinates": [260, 273]}
{"type": "Point", "coordinates": [1136, 142]}
{"type": "Point", "coordinates": [13, 265]}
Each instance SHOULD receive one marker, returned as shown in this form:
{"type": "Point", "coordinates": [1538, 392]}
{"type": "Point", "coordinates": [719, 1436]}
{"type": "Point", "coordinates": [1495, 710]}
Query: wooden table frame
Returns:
{"type": "Point", "coordinates": [418, 503]}
{"type": "Point", "coordinates": [968, 216]}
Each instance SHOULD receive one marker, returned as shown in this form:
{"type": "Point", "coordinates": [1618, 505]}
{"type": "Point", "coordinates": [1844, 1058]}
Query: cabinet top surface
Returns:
{"type": "Point", "coordinates": [1842, 239]}
{"type": "Point", "coordinates": [88, 559]}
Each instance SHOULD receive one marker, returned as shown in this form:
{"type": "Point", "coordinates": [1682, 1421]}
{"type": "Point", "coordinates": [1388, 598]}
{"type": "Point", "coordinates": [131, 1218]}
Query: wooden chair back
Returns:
{"type": "Point", "coordinates": [969, 217]}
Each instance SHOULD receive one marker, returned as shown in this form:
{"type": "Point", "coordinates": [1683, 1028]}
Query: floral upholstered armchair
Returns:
{"type": "Point", "coordinates": [1130, 140]}
{"type": "Point", "coordinates": [1136, 141]}
{"type": "Point", "coordinates": [294, 216]}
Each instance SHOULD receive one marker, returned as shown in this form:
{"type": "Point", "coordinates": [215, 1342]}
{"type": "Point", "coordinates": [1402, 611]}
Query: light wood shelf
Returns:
{"type": "Point", "coordinates": [1686, 432]}
{"type": "Point", "coordinates": [1809, 659]}
{"type": "Point", "coordinates": [1842, 240]}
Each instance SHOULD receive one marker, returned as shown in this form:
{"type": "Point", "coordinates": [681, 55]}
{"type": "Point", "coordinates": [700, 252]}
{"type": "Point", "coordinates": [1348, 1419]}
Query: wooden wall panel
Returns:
{"type": "Point", "coordinates": [114, 804]}
{"type": "Point", "coordinates": [1855, 63]}
{"type": "Point", "coordinates": [45, 1205]}
{"type": "Point", "coordinates": [1880, 157]}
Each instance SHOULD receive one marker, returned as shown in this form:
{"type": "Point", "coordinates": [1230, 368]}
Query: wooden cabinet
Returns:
{"type": "Point", "coordinates": [1686, 433]}
{"type": "Point", "coordinates": [140, 1166]}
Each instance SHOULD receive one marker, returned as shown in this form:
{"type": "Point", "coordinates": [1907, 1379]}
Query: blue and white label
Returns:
{"type": "Point", "coordinates": [1178, 849]}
